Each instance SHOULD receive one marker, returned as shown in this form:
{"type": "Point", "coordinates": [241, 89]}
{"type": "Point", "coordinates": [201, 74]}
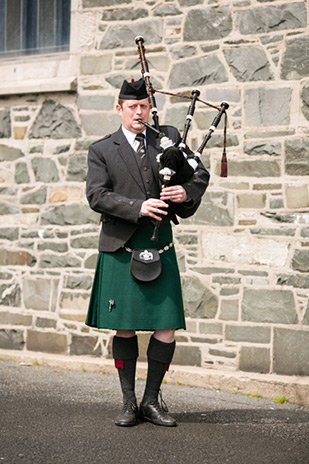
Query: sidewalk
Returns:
{"type": "Point", "coordinates": [294, 389]}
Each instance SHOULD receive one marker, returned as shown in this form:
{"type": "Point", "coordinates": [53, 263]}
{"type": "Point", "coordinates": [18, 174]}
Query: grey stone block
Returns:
{"type": "Point", "coordinates": [47, 342]}
{"type": "Point", "coordinates": [300, 260]}
{"type": "Point", "coordinates": [90, 263]}
{"type": "Point", "coordinates": [217, 208]}
{"type": "Point", "coordinates": [190, 2]}
{"type": "Point", "coordinates": [10, 318]}
{"type": "Point", "coordinates": [229, 310]}
{"type": "Point", "coordinates": [37, 293]}
{"type": "Point", "coordinates": [6, 209]}
{"type": "Point", "coordinates": [120, 35]}
{"type": "Point", "coordinates": [198, 71]}
{"type": "Point", "coordinates": [263, 148]}
{"type": "Point", "coordinates": [271, 18]}
{"type": "Point", "coordinates": [96, 102]}
{"type": "Point", "coordinates": [166, 10]}
{"type": "Point", "coordinates": [210, 23]}
{"type": "Point", "coordinates": [270, 231]}
{"type": "Point", "coordinates": [253, 168]}
{"type": "Point", "coordinates": [9, 153]}
{"type": "Point", "coordinates": [100, 124]}
{"type": "Point", "coordinates": [84, 345]}
{"type": "Point", "coordinates": [305, 320]}
{"type": "Point", "coordinates": [85, 242]}
{"type": "Point", "coordinates": [291, 352]}
{"type": "Point", "coordinates": [21, 174]}
{"type": "Point", "coordinates": [270, 306]}
{"type": "Point", "coordinates": [124, 14]}
{"type": "Point", "coordinates": [45, 323]}
{"type": "Point", "coordinates": [264, 107]}
{"type": "Point", "coordinates": [297, 157]}
{"type": "Point", "coordinates": [212, 328]}
{"type": "Point", "coordinates": [297, 281]}
{"type": "Point", "coordinates": [5, 123]}
{"type": "Point", "coordinates": [254, 359]}
{"type": "Point", "coordinates": [36, 197]}
{"type": "Point", "coordinates": [183, 51]}
{"type": "Point", "coordinates": [199, 301]}
{"type": "Point", "coordinates": [74, 214]}
{"type": "Point", "coordinates": [77, 168]}
{"type": "Point", "coordinates": [187, 356]}
{"type": "Point", "coordinates": [78, 282]}
{"type": "Point", "coordinates": [177, 115]}
{"type": "Point", "coordinates": [55, 121]}
{"type": "Point", "coordinates": [11, 339]}
{"type": "Point", "coordinates": [95, 64]}
{"type": "Point", "coordinates": [305, 101]}
{"type": "Point", "coordinates": [59, 247]}
{"type": "Point", "coordinates": [248, 64]}
{"type": "Point", "coordinates": [45, 170]}
{"type": "Point", "coordinates": [295, 61]}
{"type": "Point", "coordinates": [9, 233]}
{"type": "Point", "coordinates": [226, 94]}
{"type": "Point", "coordinates": [10, 295]}
{"type": "Point", "coordinates": [247, 334]}
{"type": "Point", "coordinates": [49, 261]}
{"type": "Point", "coordinates": [222, 353]}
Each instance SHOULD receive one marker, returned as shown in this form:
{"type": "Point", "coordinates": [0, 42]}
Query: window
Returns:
{"type": "Point", "coordinates": [30, 27]}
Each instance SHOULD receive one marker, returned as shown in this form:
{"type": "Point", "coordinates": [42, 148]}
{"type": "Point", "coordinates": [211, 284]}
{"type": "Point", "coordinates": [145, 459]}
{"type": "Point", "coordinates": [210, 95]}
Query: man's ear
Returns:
{"type": "Point", "coordinates": [118, 109]}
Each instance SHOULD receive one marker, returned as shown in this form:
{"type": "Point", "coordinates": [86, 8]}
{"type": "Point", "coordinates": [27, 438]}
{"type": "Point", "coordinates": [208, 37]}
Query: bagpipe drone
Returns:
{"type": "Point", "coordinates": [175, 167]}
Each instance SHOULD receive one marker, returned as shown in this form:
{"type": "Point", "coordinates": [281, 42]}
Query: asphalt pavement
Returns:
{"type": "Point", "coordinates": [63, 416]}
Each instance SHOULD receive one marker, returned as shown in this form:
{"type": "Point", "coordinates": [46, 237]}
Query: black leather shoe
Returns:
{"type": "Point", "coordinates": [156, 414]}
{"type": "Point", "coordinates": [128, 416]}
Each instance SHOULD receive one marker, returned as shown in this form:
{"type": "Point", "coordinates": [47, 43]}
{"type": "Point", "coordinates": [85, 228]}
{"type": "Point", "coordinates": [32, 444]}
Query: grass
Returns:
{"type": "Point", "coordinates": [252, 395]}
{"type": "Point", "coordinates": [280, 399]}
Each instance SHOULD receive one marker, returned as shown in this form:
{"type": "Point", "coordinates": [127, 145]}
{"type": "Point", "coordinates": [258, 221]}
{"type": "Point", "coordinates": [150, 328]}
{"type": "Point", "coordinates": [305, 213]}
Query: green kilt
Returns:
{"type": "Point", "coordinates": [137, 306]}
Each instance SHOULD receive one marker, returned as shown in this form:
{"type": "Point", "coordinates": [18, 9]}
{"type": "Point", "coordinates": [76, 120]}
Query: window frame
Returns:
{"type": "Point", "coordinates": [38, 73]}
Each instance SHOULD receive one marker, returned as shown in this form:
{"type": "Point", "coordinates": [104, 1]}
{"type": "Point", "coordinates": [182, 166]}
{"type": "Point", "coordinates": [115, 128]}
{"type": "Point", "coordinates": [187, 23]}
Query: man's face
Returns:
{"type": "Point", "coordinates": [131, 111]}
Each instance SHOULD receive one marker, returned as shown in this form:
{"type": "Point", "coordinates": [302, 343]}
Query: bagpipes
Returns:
{"type": "Point", "coordinates": [175, 167]}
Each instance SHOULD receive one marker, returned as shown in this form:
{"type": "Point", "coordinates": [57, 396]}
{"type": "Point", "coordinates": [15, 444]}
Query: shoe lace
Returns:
{"type": "Point", "coordinates": [128, 405]}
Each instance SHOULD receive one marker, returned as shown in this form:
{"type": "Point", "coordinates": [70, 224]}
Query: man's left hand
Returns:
{"type": "Point", "coordinates": [175, 193]}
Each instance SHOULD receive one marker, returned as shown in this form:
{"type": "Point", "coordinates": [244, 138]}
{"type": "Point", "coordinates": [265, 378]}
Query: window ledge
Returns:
{"type": "Point", "coordinates": [58, 84]}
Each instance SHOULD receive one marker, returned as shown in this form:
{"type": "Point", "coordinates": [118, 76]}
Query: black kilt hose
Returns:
{"type": "Point", "coordinates": [119, 302]}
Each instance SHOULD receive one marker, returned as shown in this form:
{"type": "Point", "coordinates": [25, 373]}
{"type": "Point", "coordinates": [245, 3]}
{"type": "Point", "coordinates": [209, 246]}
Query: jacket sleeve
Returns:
{"type": "Point", "coordinates": [100, 194]}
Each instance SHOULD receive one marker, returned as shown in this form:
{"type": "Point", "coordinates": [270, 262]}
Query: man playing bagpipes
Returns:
{"type": "Point", "coordinates": [136, 285]}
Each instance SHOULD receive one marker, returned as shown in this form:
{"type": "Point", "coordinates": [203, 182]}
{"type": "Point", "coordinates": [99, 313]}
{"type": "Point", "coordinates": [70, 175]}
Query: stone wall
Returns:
{"type": "Point", "coordinates": [244, 257]}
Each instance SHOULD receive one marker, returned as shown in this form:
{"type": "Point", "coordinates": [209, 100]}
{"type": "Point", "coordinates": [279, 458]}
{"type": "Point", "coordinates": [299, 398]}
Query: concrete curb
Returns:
{"type": "Point", "coordinates": [295, 389]}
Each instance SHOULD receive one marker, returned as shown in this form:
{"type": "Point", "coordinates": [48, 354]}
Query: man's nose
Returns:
{"type": "Point", "coordinates": [139, 109]}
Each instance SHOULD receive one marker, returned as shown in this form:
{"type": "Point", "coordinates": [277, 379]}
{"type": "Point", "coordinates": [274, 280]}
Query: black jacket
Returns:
{"type": "Point", "coordinates": [115, 188]}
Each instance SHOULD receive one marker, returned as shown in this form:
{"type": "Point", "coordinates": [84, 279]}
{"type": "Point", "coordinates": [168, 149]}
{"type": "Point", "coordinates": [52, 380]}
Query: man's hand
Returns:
{"type": "Point", "coordinates": [153, 207]}
{"type": "Point", "coordinates": [175, 193]}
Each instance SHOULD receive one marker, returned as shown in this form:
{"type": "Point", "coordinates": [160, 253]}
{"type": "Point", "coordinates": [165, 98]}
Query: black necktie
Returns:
{"type": "Point", "coordinates": [141, 149]}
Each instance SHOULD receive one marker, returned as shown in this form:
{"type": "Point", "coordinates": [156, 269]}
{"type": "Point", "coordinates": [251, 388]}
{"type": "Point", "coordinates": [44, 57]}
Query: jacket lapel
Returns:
{"type": "Point", "coordinates": [127, 154]}
{"type": "Point", "coordinates": [153, 148]}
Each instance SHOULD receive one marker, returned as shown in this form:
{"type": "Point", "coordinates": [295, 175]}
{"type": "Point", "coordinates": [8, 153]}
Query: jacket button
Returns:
{"type": "Point", "coordinates": [131, 202]}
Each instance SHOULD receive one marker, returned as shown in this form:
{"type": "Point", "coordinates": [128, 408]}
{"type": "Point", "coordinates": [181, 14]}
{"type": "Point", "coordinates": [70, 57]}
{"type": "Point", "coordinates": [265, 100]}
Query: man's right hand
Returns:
{"type": "Point", "coordinates": [153, 208]}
